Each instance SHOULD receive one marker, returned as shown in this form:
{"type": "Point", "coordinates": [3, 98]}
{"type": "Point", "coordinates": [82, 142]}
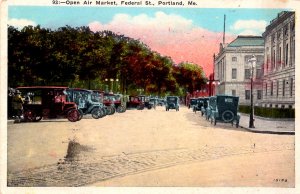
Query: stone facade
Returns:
{"type": "Point", "coordinates": [279, 68]}
{"type": "Point", "coordinates": [232, 69]}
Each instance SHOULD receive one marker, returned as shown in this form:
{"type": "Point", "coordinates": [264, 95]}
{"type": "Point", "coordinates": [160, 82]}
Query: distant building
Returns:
{"type": "Point", "coordinates": [232, 69]}
{"type": "Point", "coordinates": [279, 68]}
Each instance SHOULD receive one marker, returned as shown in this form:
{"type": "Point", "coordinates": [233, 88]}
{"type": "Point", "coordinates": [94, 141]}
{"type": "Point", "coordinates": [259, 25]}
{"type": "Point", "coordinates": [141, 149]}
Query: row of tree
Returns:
{"type": "Point", "coordinates": [78, 57]}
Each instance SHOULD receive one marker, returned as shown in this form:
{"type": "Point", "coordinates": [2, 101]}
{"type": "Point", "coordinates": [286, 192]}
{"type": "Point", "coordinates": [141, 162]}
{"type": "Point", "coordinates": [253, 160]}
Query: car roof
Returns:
{"type": "Point", "coordinates": [42, 87]}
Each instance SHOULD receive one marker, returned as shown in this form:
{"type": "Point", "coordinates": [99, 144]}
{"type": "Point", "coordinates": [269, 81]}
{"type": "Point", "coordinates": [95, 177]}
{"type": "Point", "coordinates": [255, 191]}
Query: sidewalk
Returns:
{"type": "Point", "coordinates": [272, 126]}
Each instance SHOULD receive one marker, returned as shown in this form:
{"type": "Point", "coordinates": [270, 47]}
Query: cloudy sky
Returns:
{"type": "Point", "coordinates": [184, 34]}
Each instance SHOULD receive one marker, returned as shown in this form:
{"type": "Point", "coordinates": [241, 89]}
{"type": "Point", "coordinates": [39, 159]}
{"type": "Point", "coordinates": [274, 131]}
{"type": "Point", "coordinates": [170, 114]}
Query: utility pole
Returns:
{"type": "Point", "coordinates": [224, 31]}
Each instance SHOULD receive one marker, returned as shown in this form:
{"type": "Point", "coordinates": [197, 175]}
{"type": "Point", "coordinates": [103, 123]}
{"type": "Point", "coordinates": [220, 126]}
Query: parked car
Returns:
{"type": "Point", "coordinates": [153, 103]}
{"type": "Point", "coordinates": [199, 105]}
{"type": "Point", "coordinates": [172, 102]}
{"type": "Point", "coordinates": [226, 110]}
{"type": "Point", "coordinates": [119, 103]}
{"type": "Point", "coordinates": [137, 102]}
{"type": "Point", "coordinates": [192, 103]}
{"type": "Point", "coordinates": [87, 102]}
{"type": "Point", "coordinates": [204, 103]}
{"type": "Point", "coordinates": [211, 106]}
{"type": "Point", "coordinates": [146, 100]}
{"type": "Point", "coordinates": [48, 102]}
{"type": "Point", "coordinates": [161, 102]}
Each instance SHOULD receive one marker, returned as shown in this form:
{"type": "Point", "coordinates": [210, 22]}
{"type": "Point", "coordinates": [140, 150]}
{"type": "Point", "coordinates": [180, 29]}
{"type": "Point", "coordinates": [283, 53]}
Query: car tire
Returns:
{"type": "Point", "coordinates": [227, 116]}
{"type": "Point", "coordinates": [30, 115]}
{"type": "Point", "coordinates": [73, 115]}
{"type": "Point", "coordinates": [96, 113]}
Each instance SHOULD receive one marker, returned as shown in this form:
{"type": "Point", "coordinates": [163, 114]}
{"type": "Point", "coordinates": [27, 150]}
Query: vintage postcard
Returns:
{"type": "Point", "coordinates": [156, 96]}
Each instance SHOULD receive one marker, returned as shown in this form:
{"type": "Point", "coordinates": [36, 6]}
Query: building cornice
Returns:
{"type": "Point", "coordinates": [277, 21]}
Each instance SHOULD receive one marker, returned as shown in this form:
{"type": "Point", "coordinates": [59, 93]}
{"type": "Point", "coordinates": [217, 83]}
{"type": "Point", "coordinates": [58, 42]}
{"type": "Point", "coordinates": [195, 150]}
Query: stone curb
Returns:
{"type": "Point", "coordinates": [269, 132]}
{"type": "Point", "coordinates": [269, 119]}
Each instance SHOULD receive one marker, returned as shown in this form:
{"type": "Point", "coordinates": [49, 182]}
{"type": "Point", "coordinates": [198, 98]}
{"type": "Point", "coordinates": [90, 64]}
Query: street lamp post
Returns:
{"type": "Point", "coordinates": [117, 85]}
{"type": "Point", "coordinates": [111, 84]}
{"type": "Point", "coordinates": [106, 86]}
{"type": "Point", "coordinates": [251, 121]}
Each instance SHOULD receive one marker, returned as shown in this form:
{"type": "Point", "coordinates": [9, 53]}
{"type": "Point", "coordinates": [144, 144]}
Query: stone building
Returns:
{"type": "Point", "coordinates": [233, 69]}
{"type": "Point", "coordinates": [279, 68]}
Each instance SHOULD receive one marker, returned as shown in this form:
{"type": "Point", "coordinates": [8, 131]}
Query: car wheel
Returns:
{"type": "Point", "coordinates": [227, 116]}
{"type": "Point", "coordinates": [96, 113]}
{"type": "Point", "coordinates": [73, 115]}
{"type": "Point", "coordinates": [30, 115]}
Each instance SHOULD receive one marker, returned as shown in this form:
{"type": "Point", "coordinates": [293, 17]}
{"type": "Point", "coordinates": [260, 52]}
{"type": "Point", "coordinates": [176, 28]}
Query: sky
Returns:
{"type": "Point", "coordinates": [185, 34]}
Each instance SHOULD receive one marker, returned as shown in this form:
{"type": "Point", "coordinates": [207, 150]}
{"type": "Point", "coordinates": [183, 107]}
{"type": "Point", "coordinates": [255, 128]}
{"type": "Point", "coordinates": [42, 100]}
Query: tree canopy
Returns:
{"type": "Point", "coordinates": [78, 57]}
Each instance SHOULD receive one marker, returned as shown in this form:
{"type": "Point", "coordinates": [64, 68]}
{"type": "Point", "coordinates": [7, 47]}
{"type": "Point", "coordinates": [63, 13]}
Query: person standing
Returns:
{"type": "Point", "coordinates": [18, 104]}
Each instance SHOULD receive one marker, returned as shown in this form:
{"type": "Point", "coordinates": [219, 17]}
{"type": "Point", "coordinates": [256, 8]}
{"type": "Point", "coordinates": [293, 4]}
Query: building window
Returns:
{"type": "Point", "coordinates": [247, 94]}
{"type": "Point", "coordinates": [277, 90]}
{"type": "Point", "coordinates": [247, 58]}
{"type": "Point", "coordinates": [259, 60]}
{"type": "Point", "coordinates": [291, 86]}
{"type": "Point", "coordinates": [266, 89]}
{"type": "Point", "coordinates": [279, 57]}
{"type": "Point", "coordinates": [283, 87]}
{"type": "Point", "coordinates": [233, 73]}
{"type": "Point", "coordinates": [247, 74]}
{"type": "Point", "coordinates": [274, 60]}
{"type": "Point", "coordinates": [286, 54]}
{"type": "Point", "coordinates": [271, 88]}
{"type": "Point", "coordinates": [258, 73]}
{"type": "Point", "coordinates": [268, 62]}
{"type": "Point", "coordinates": [259, 94]}
{"type": "Point", "coordinates": [233, 92]}
{"type": "Point", "coordinates": [234, 59]}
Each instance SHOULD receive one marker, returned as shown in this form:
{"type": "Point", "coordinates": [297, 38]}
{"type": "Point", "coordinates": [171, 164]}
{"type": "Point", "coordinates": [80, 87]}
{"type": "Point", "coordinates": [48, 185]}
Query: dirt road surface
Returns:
{"type": "Point", "coordinates": [147, 148]}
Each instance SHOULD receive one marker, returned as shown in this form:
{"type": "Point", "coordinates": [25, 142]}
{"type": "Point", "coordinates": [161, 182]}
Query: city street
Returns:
{"type": "Point", "coordinates": [147, 148]}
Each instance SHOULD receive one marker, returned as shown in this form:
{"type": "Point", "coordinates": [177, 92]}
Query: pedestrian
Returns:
{"type": "Point", "coordinates": [18, 104]}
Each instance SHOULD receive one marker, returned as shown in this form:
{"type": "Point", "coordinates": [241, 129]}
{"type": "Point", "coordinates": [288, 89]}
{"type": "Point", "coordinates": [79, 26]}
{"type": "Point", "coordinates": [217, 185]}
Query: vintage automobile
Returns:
{"type": "Point", "coordinates": [172, 102]}
{"type": "Point", "coordinates": [161, 102]}
{"type": "Point", "coordinates": [119, 103]}
{"type": "Point", "coordinates": [192, 102]}
{"type": "Point", "coordinates": [204, 103]}
{"type": "Point", "coordinates": [107, 101]}
{"type": "Point", "coordinates": [146, 100]}
{"type": "Point", "coordinates": [211, 106]}
{"type": "Point", "coordinates": [226, 110]}
{"type": "Point", "coordinates": [153, 103]}
{"type": "Point", "coordinates": [48, 102]}
{"type": "Point", "coordinates": [87, 102]}
{"type": "Point", "coordinates": [137, 102]}
{"type": "Point", "coordinates": [200, 103]}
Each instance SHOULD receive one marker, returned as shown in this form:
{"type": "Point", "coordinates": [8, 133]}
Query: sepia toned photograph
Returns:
{"type": "Point", "coordinates": [148, 95]}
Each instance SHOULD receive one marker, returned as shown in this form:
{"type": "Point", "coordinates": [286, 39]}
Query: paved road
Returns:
{"type": "Point", "coordinates": [133, 143]}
